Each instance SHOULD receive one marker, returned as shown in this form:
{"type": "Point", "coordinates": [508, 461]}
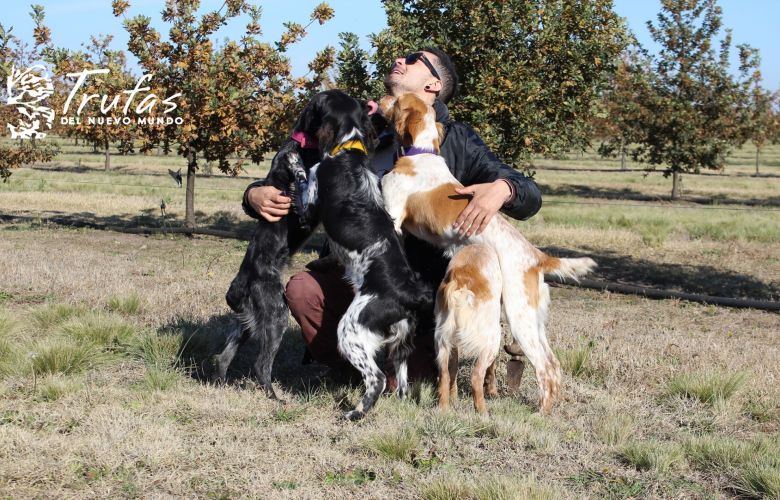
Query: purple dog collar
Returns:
{"type": "Point", "coordinates": [305, 140]}
{"type": "Point", "coordinates": [414, 150]}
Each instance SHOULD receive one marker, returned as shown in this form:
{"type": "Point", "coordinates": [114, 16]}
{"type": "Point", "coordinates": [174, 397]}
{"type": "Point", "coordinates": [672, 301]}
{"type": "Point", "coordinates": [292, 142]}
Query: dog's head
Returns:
{"type": "Point", "coordinates": [332, 118]}
{"type": "Point", "coordinates": [414, 121]}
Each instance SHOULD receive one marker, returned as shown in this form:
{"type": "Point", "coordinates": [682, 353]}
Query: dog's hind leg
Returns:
{"type": "Point", "coordinates": [399, 351]}
{"type": "Point", "coordinates": [270, 335]}
{"type": "Point", "coordinates": [484, 361]}
{"type": "Point", "coordinates": [237, 336]}
{"type": "Point", "coordinates": [491, 387]}
{"type": "Point", "coordinates": [359, 345]}
{"type": "Point", "coordinates": [524, 323]}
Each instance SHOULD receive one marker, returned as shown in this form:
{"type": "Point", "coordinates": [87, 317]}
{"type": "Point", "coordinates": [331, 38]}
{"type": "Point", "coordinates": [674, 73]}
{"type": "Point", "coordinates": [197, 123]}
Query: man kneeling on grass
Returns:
{"type": "Point", "coordinates": [319, 296]}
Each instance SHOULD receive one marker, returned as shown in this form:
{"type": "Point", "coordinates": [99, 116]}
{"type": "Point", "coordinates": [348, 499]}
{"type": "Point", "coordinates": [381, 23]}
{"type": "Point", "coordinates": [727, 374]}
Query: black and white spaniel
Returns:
{"type": "Point", "coordinates": [343, 193]}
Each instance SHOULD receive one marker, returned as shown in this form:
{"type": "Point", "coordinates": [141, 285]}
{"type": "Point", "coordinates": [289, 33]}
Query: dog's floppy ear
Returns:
{"type": "Point", "coordinates": [386, 105]}
{"type": "Point", "coordinates": [440, 130]}
{"type": "Point", "coordinates": [308, 120]}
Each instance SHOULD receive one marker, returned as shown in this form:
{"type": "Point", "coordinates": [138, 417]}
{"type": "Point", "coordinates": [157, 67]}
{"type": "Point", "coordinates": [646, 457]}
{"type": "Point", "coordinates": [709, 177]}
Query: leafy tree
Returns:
{"type": "Point", "coordinates": [353, 74]}
{"type": "Point", "coordinates": [761, 119]}
{"type": "Point", "coordinates": [14, 54]}
{"type": "Point", "coordinates": [238, 99]}
{"type": "Point", "coordinates": [109, 109]}
{"type": "Point", "coordinates": [695, 104]}
{"type": "Point", "coordinates": [531, 71]}
{"type": "Point", "coordinates": [618, 123]}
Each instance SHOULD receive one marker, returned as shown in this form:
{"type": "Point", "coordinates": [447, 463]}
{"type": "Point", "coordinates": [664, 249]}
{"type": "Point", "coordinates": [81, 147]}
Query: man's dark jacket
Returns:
{"type": "Point", "coordinates": [471, 162]}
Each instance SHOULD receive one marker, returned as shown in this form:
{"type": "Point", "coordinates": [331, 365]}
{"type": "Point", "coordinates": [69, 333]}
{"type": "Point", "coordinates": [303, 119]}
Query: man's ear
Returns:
{"type": "Point", "coordinates": [434, 86]}
{"type": "Point", "coordinates": [386, 105]}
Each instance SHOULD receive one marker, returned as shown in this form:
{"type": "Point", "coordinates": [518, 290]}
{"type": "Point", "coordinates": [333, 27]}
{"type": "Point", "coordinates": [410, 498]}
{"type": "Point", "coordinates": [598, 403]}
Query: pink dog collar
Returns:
{"type": "Point", "coordinates": [305, 140]}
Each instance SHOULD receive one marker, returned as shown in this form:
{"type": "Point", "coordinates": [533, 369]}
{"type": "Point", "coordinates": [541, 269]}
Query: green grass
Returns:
{"type": "Point", "coordinates": [53, 315]}
{"type": "Point", "coordinates": [395, 445]}
{"type": "Point", "coordinates": [614, 429]}
{"type": "Point", "coordinates": [287, 414]}
{"type": "Point", "coordinates": [577, 362]}
{"type": "Point", "coordinates": [160, 379]}
{"type": "Point", "coordinates": [710, 387]}
{"type": "Point", "coordinates": [56, 387]}
{"type": "Point", "coordinates": [451, 425]}
{"type": "Point", "coordinates": [155, 350]}
{"type": "Point", "coordinates": [7, 351]}
{"type": "Point", "coordinates": [105, 331]}
{"type": "Point", "coordinates": [52, 356]}
{"type": "Point", "coordinates": [128, 305]}
{"type": "Point", "coordinates": [488, 488]}
{"type": "Point", "coordinates": [757, 481]}
{"type": "Point", "coordinates": [650, 455]}
{"type": "Point", "coordinates": [751, 467]}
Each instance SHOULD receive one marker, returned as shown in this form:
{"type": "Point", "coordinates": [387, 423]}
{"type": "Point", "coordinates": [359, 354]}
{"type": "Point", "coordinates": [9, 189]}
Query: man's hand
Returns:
{"type": "Point", "coordinates": [486, 200]}
{"type": "Point", "coordinates": [269, 202]}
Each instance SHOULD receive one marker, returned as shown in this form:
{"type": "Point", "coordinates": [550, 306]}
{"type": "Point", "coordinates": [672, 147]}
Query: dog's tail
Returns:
{"type": "Point", "coordinates": [567, 268]}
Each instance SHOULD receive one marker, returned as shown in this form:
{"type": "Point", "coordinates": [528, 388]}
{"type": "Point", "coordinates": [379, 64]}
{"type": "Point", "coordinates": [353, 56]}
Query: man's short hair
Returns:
{"type": "Point", "coordinates": [447, 73]}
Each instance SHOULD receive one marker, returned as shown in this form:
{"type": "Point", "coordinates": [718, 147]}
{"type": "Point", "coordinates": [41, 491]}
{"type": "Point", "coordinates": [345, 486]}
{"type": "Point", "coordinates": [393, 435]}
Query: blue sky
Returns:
{"type": "Point", "coordinates": [753, 21]}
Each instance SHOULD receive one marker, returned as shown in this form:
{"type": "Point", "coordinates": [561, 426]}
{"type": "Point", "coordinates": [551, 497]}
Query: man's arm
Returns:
{"type": "Point", "coordinates": [248, 208]}
{"type": "Point", "coordinates": [481, 166]}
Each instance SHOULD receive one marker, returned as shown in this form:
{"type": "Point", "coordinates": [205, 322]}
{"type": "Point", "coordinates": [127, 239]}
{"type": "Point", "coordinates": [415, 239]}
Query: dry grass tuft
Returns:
{"type": "Point", "coordinates": [54, 387]}
{"type": "Point", "coordinates": [489, 488]}
{"type": "Point", "coordinates": [155, 350]}
{"type": "Point", "coordinates": [107, 332]}
{"type": "Point", "coordinates": [52, 315]}
{"type": "Point", "coordinates": [55, 355]}
{"type": "Point", "coordinates": [651, 455]}
{"type": "Point", "coordinates": [757, 481]}
{"type": "Point", "coordinates": [710, 387]}
{"type": "Point", "coordinates": [160, 379]}
{"type": "Point", "coordinates": [752, 468]}
{"type": "Point", "coordinates": [130, 304]}
{"type": "Point", "coordinates": [398, 444]}
{"type": "Point", "coordinates": [615, 429]}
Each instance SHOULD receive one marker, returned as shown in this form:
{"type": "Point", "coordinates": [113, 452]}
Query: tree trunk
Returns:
{"type": "Point", "coordinates": [622, 154]}
{"type": "Point", "coordinates": [189, 218]}
{"type": "Point", "coordinates": [676, 184]}
{"type": "Point", "coordinates": [108, 155]}
{"type": "Point", "coordinates": [758, 156]}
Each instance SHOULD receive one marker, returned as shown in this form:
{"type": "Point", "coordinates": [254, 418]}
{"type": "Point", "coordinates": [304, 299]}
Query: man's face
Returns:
{"type": "Point", "coordinates": [413, 78]}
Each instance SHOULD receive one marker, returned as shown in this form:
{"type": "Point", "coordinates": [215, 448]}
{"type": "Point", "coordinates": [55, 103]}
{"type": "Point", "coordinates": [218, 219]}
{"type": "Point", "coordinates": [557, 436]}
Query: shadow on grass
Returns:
{"type": "Point", "coordinates": [148, 219]}
{"type": "Point", "coordinates": [200, 341]}
{"type": "Point", "coordinates": [583, 191]}
{"type": "Point", "coordinates": [705, 280]}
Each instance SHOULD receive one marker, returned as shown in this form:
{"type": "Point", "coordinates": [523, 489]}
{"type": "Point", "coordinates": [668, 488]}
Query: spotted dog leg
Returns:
{"type": "Point", "coordinates": [399, 351]}
{"type": "Point", "coordinates": [359, 346]}
{"type": "Point", "coordinates": [237, 336]}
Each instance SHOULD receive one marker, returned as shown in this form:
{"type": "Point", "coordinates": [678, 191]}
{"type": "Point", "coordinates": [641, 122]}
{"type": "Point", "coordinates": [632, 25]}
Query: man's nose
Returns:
{"type": "Point", "coordinates": [399, 61]}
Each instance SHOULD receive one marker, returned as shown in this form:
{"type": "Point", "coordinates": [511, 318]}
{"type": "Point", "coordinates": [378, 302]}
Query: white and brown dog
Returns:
{"type": "Point", "coordinates": [468, 322]}
{"type": "Point", "coordinates": [420, 196]}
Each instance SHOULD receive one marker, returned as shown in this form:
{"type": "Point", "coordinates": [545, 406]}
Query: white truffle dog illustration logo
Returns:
{"type": "Point", "coordinates": [27, 89]}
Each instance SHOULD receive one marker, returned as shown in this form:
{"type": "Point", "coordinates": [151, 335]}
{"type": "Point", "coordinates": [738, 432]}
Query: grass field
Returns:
{"type": "Point", "coordinates": [103, 336]}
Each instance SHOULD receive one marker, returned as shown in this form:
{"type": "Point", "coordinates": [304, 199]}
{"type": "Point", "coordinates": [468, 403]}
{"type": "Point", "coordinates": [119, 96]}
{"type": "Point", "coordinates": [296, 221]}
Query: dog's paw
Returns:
{"type": "Point", "coordinates": [354, 415]}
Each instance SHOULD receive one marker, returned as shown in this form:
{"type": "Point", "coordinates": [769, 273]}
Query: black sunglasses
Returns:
{"type": "Point", "coordinates": [419, 56]}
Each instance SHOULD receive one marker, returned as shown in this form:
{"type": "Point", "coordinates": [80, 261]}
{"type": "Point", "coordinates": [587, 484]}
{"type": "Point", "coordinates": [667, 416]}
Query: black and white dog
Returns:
{"type": "Point", "coordinates": [345, 192]}
{"type": "Point", "coordinates": [256, 294]}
